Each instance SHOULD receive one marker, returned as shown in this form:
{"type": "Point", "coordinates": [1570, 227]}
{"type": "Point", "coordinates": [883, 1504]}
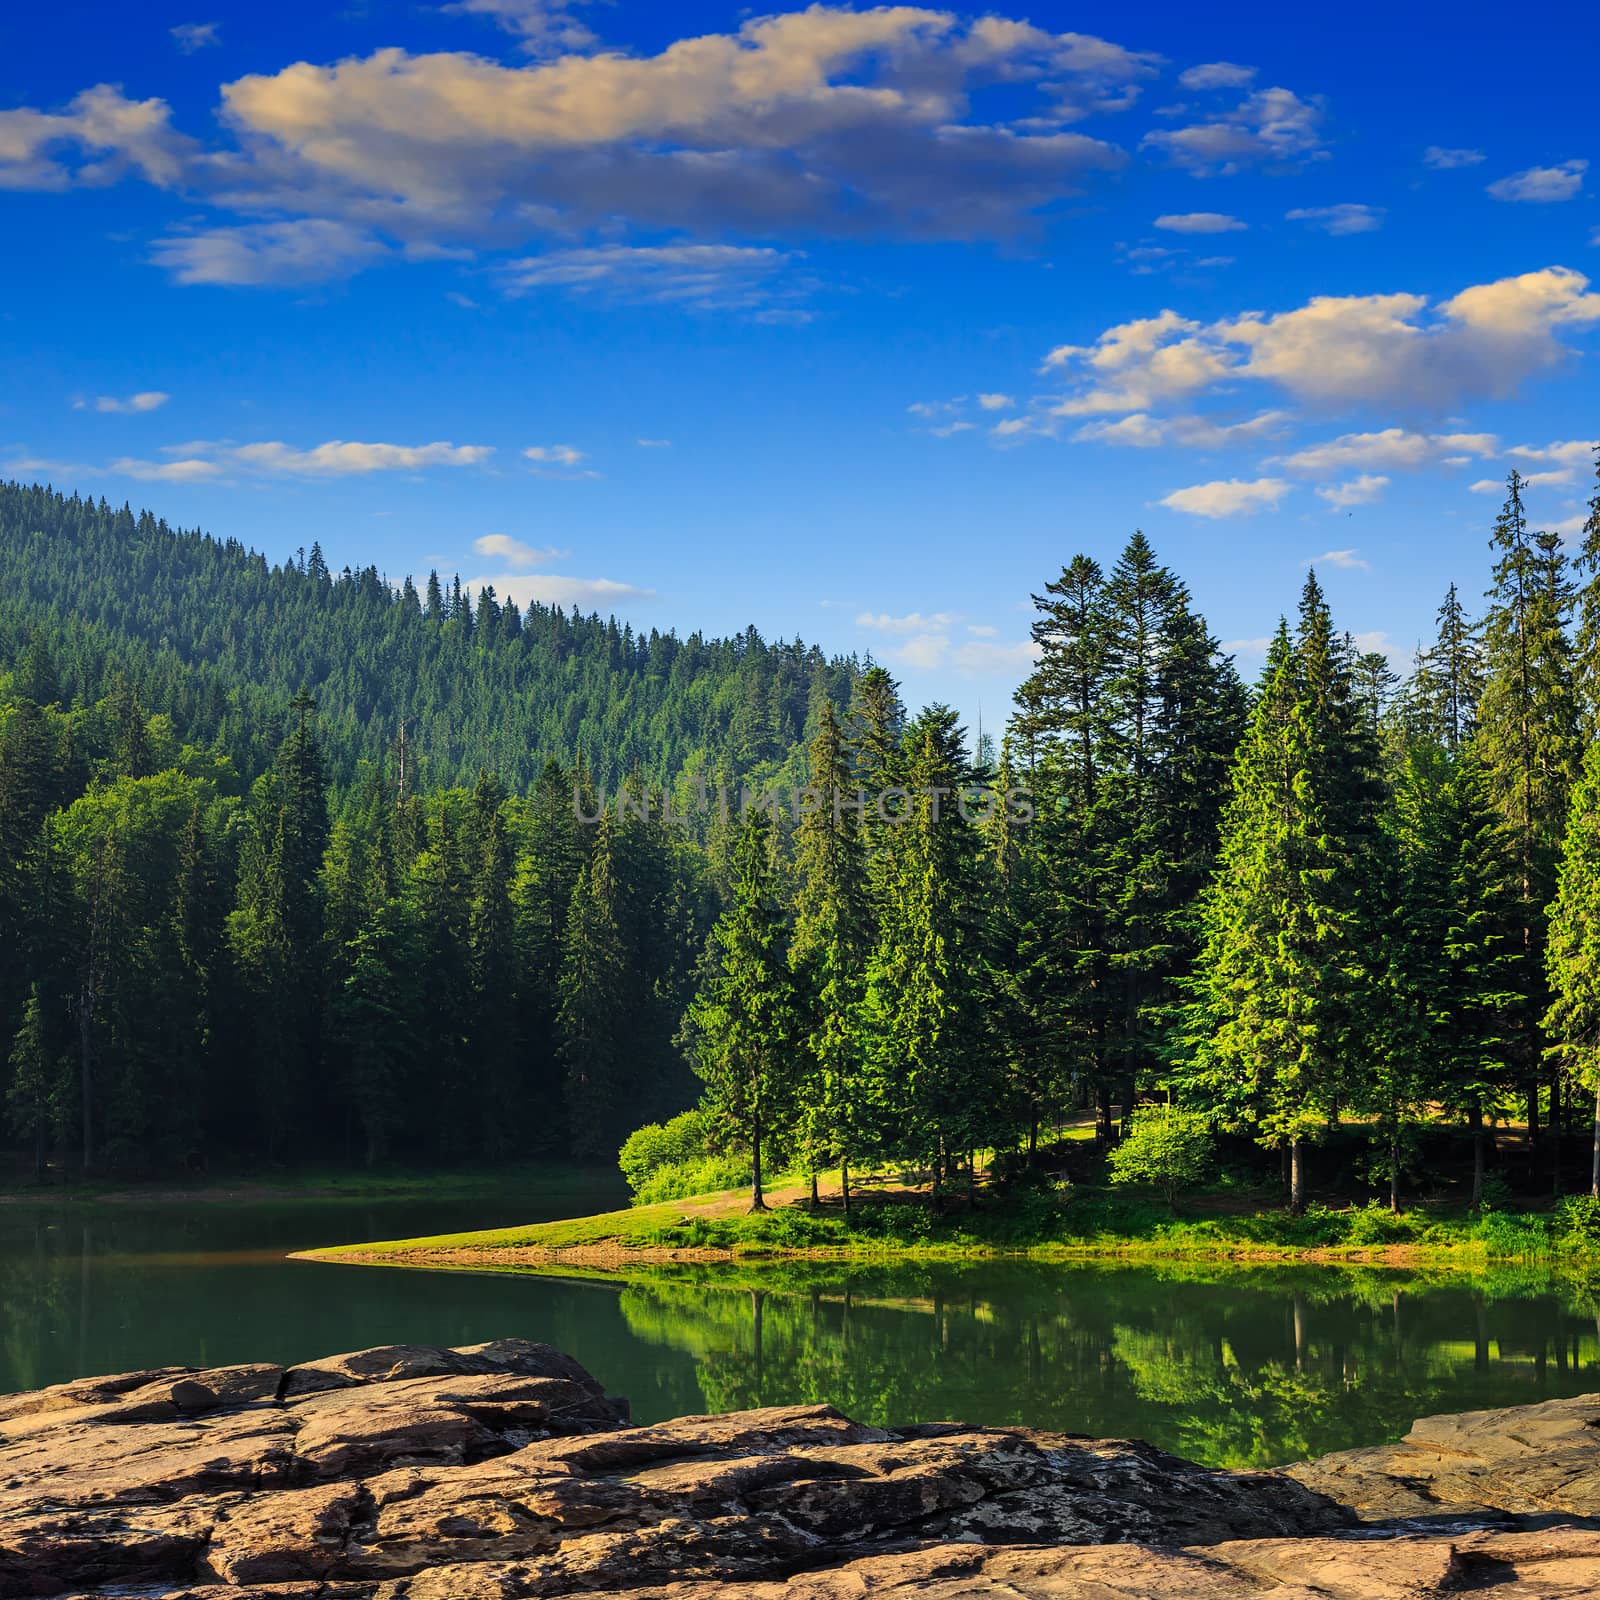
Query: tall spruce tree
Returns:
{"type": "Point", "coordinates": [1527, 741]}
{"type": "Point", "coordinates": [832, 937]}
{"type": "Point", "coordinates": [745, 1021]}
{"type": "Point", "coordinates": [1573, 950]}
{"type": "Point", "coordinates": [1586, 655]}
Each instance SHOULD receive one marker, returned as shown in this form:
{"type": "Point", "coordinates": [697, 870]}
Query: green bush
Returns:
{"type": "Point", "coordinates": [1512, 1238]}
{"type": "Point", "coordinates": [1167, 1149]}
{"type": "Point", "coordinates": [1376, 1224]}
{"type": "Point", "coordinates": [663, 1144]}
{"type": "Point", "coordinates": [1577, 1223]}
{"type": "Point", "coordinates": [678, 1180]}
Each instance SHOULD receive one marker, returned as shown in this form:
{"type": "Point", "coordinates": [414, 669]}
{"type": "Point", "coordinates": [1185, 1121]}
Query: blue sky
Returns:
{"type": "Point", "coordinates": [851, 323]}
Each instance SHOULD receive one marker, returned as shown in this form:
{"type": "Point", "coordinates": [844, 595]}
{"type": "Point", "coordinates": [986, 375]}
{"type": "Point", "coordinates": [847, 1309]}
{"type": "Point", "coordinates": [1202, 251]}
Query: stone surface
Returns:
{"type": "Point", "coordinates": [503, 1471]}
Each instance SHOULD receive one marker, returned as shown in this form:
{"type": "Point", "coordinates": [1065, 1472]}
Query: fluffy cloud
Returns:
{"type": "Point", "coordinates": [1446, 160]}
{"type": "Point", "coordinates": [1340, 350]}
{"type": "Point", "coordinates": [827, 118]}
{"type": "Point", "coordinates": [514, 552]}
{"type": "Point", "coordinates": [1530, 480]}
{"type": "Point", "coordinates": [1394, 448]}
{"type": "Point", "coordinates": [1268, 126]}
{"type": "Point", "coordinates": [1561, 452]}
{"type": "Point", "coordinates": [1217, 75]}
{"type": "Point", "coordinates": [1200, 222]}
{"type": "Point", "coordinates": [996, 402]}
{"type": "Point", "coordinates": [1231, 497]}
{"type": "Point", "coordinates": [127, 405]}
{"type": "Point", "coordinates": [1341, 219]}
{"type": "Point", "coordinates": [308, 250]}
{"type": "Point", "coordinates": [1350, 560]}
{"type": "Point", "coordinates": [1542, 185]}
{"type": "Point", "coordinates": [100, 137]}
{"type": "Point", "coordinates": [1360, 491]}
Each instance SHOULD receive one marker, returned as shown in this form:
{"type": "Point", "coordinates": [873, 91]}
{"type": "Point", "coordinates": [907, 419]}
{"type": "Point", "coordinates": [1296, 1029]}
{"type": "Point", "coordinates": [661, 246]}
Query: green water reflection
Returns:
{"type": "Point", "coordinates": [1245, 1366]}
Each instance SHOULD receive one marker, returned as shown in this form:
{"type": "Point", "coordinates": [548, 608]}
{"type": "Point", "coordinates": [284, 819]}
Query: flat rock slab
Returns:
{"type": "Point", "coordinates": [501, 1471]}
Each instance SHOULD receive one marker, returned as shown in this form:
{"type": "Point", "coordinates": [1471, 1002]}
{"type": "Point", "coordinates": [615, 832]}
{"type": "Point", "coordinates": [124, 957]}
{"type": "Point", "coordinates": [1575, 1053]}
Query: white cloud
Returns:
{"type": "Point", "coordinates": [543, 27]}
{"type": "Point", "coordinates": [996, 402]}
{"type": "Point", "coordinates": [548, 589]}
{"type": "Point", "coordinates": [514, 552]}
{"type": "Point", "coordinates": [127, 405]}
{"type": "Point", "coordinates": [1217, 75]}
{"type": "Point", "coordinates": [913, 622]}
{"type": "Point", "coordinates": [1339, 220]}
{"type": "Point", "coordinates": [308, 250]}
{"type": "Point", "coordinates": [1361, 491]}
{"type": "Point", "coordinates": [1341, 350]}
{"type": "Point", "coordinates": [1270, 125]}
{"type": "Point", "coordinates": [1349, 560]}
{"type": "Point", "coordinates": [555, 455]}
{"type": "Point", "coordinates": [1231, 497]}
{"type": "Point", "coordinates": [981, 630]}
{"type": "Point", "coordinates": [1446, 160]}
{"type": "Point", "coordinates": [1251, 648]}
{"type": "Point", "coordinates": [1542, 185]}
{"type": "Point", "coordinates": [653, 444]}
{"type": "Point", "coordinates": [1191, 432]}
{"type": "Point", "coordinates": [183, 470]}
{"type": "Point", "coordinates": [1201, 222]}
{"type": "Point", "coordinates": [1394, 448]}
{"type": "Point", "coordinates": [202, 459]}
{"type": "Point", "coordinates": [192, 36]}
{"type": "Point", "coordinates": [1562, 452]}
{"type": "Point", "coordinates": [1530, 480]}
{"type": "Point", "coordinates": [706, 277]}
{"type": "Point", "coordinates": [100, 137]}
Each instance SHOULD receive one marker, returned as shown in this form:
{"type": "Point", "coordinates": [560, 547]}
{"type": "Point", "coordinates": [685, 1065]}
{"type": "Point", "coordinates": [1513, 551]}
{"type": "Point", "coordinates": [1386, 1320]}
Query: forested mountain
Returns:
{"type": "Point", "coordinates": [241, 919]}
{"type": "Point", "coordinates": [220, 640]}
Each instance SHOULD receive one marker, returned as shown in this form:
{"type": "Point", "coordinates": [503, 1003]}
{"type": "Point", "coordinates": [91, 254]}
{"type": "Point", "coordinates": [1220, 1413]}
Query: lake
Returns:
{"type": "Point", "coordinates": [1232, 1366]}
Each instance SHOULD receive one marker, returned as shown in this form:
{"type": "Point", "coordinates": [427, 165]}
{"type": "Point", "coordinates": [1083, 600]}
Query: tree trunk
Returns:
{"type": "Point", "coordinates": [1102, 1114]}
{"type": "Point", "coordinates": [86, 1069]}
{"type": "Point", "coordinates": [1594, 1166]}
{"type": "Point", "coordinates": [844, 1183]}
{"type": "Point", "coordinates": [1475, 1117]}
{"type": "Point", "coordinates": [1394, 1171]}
{"type": "Point", "coordinates": [816, 1194]}
{"type": "Point", "coordinates": [1533, 1120]}
{"type": "Point", "coordinates": [758, 1200]}
{"type": "Point", "coordinates": [1297, 1177]}
{"type": "Point", "coordinates": [1556, 1125]}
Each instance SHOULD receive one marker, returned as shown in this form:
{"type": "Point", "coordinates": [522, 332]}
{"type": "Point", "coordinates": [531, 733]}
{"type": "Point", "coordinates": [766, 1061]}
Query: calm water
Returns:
{"type": "Point", "coordinates": [1236, 1367]}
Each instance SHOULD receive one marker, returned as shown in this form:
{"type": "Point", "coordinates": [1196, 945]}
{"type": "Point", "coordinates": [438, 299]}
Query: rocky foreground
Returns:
{"type": "Point", "coordinates": [504, 1470]}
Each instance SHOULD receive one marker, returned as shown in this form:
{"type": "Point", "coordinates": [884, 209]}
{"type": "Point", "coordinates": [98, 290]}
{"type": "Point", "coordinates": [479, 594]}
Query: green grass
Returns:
{"type": "Point", "coordinates": [1086, 1223]}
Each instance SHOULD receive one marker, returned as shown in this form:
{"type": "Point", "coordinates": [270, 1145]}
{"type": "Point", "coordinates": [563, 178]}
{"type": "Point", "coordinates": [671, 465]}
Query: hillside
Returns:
{"type": "Point", "coordinates": [219, 638]}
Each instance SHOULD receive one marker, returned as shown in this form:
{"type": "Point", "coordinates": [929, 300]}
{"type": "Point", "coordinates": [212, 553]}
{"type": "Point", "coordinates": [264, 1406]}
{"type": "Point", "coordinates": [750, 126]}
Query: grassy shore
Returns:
{"type": "Point", "coordinates": [1084, 1224]}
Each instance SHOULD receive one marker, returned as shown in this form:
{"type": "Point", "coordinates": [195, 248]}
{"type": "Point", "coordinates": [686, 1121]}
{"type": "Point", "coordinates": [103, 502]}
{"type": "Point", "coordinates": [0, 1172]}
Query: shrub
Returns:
{"type": "Point", "coordinates": [1377, 1224]}
{"type": "Point", "coordinates": [678, 1180]}
{"type": "Point", "coordinates": [1168, 1149]}
{"type": "Point", "coordinates": [663, 1144]}
{"type": "Point", "coordinates": [1577, 1223]}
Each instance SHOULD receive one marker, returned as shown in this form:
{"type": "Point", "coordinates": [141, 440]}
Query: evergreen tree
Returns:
{"type": "Point", "coordinates": [745, 1021]}
{"type": "Point", "coordinates": [1573, 950]}
{"type": "Point", "coordinates": [1586, 655]}
{"type": "Point", "coordinates": [832, 935]}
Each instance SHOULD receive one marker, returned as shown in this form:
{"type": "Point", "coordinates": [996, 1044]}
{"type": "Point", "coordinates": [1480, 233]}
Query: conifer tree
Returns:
{"type": "Point", "coordinates": [745, 1021]}
{"type": "Point", "coordinates": [1586, 655]}
{"type": "Point", "coordinates": [832, 936]}
{"type": "Point", "coordinates": [1573, 951]}
{"type": "Point", "coordinates": [920, 1017]}
{"type": "Point", "coordinates": [593, 1002]}
{"type": "Point", "coordinates": [1527, 738]}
